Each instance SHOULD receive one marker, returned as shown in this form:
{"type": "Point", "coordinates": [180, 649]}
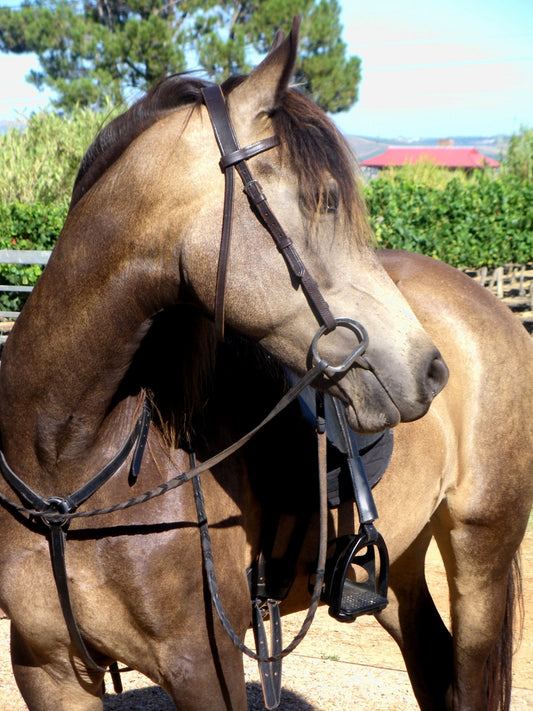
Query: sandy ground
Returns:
{"type": "Point", "coordinates": [337, 666]}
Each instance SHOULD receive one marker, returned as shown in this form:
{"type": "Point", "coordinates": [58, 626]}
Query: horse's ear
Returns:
{"type": "Point", "coordinates": [260, 92]}
{"type": "Point", "coordinates": [278, 39]}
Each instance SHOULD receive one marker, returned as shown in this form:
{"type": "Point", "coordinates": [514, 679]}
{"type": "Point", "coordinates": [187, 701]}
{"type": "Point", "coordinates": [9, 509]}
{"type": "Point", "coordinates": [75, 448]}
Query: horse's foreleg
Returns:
{"type": "Point", "coordinates": [479, 568]}
{"type": "Point", "coordinates": [53, 686]}
{"type": "Point", "coordinates": [205, 670]}
{"type": "Point", "coordinates": [212, 688]}
{"type": "Point", "coordinates": [212, 679]}
{"type": "Point", "coordinates": [412, 619]}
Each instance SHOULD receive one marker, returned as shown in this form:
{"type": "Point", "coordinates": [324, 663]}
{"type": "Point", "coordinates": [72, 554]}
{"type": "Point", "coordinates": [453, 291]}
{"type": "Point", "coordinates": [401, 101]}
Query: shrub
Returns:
{"type": "Point", "coordinates": [519, 157]}
{"type": "Point", "coordinates": [482, 221]}
{"type": "Point", "coordinates": [27, 227]}
{"type": "Point", "coordinates": [39, 161]}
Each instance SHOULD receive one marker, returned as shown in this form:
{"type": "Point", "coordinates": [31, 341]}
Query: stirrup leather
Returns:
{"type": "Point", "coordinates": [269, 671]}
{"type": "Point", "coordinates": [346, 598]}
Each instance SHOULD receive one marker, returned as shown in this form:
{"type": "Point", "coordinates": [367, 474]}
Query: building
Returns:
{"type": "Point", "coordinates": [451, 157]}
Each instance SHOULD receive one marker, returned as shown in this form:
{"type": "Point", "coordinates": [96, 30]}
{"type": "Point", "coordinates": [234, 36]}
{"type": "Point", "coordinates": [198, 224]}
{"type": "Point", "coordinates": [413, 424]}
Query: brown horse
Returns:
{"type": "Point", "coordinates": [141, 239]}
{"type": "Point", "coordinates": [462, 473]}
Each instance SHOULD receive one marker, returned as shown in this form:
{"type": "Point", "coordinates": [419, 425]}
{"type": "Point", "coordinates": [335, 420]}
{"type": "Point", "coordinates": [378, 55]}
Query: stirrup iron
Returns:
{"type": "Point", "coordinates": [346, 598]}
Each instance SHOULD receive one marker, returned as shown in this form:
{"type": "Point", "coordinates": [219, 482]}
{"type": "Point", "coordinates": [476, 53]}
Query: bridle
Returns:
{"type": "Point", "coordinates": [57, 512]}
{"type": "Point", "coordinates": [233, 157]}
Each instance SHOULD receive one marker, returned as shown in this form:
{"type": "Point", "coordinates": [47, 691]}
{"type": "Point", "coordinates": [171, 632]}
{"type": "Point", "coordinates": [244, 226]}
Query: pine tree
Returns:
{"type": "Point", "coordinates": [93, 51]}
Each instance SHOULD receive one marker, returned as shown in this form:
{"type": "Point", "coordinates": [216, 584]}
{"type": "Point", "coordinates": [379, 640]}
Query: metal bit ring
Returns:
{"type": "Point", "coordinates": [356, 357]}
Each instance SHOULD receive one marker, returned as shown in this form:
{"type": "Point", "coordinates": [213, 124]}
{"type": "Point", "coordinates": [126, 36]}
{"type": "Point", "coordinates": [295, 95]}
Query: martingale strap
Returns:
{"type": "Point", "coordinates": [54, 508]}
{"type": "Point", "coordinates": [54, 512]}
{"type": "Point", "coordinates": [235, 157]}
{"type": "Point", "coordinates": [269, 660]}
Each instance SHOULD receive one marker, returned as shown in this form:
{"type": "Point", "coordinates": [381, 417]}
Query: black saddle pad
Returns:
{"type": "Point", "coordinates": [374, 449]}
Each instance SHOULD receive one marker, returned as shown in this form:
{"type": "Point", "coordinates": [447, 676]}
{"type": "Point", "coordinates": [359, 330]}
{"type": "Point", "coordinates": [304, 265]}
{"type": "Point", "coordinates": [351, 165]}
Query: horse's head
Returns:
{"type": "Point", "coordinates": [166, 192]}
{"type": "Point", "coordinates": [310, 184]}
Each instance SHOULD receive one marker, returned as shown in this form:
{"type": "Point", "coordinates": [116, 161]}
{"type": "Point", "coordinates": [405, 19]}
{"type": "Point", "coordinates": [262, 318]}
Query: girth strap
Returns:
{"type": "Point", "coordinates": [269, 671]}
{"type": "Point", "coordinates": [233, 156]}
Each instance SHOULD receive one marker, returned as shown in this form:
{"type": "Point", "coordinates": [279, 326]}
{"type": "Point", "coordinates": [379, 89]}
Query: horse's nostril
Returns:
{"type": "Point", "coordinates": [437, 376]}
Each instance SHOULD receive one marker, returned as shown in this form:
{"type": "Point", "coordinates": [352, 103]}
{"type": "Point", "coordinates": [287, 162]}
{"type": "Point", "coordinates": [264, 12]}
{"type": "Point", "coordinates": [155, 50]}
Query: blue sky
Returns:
{"type": "Point", "coordinates": [437, 69]}
{"type": "Point", "coordinates": [430, 69]}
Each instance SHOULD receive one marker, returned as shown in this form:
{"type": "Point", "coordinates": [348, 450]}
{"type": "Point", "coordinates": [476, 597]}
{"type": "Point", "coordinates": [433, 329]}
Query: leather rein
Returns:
{"type": "Point", "coordinates": [56, 512]}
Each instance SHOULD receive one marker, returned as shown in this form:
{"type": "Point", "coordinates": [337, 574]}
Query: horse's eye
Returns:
{"type": "Point", "coordinates": [322, 202]}
{"type": "Point", "coordinates": [330, 202]}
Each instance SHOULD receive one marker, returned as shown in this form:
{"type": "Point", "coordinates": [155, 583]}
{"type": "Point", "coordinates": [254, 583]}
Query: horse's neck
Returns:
{"type": "Point", "coordinates": [66, 358]}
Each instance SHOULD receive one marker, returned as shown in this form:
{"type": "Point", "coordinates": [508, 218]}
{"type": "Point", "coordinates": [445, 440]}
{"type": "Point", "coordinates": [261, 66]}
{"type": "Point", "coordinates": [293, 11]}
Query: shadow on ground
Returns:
{"type": "Point", "coordinates": [153, 698]}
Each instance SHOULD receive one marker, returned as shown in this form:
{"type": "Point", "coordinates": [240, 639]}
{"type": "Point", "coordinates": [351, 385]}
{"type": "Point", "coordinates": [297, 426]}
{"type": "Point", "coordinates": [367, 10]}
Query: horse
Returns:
{"type": "Point", "coordinates": [143, 238]}
{"type": "Point", "coordinates": [460, 474]}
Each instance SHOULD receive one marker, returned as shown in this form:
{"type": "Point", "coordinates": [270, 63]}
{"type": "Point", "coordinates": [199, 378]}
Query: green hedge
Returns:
{"type": "Point", "coordinates": [479, 221]}
{"type": "Point", "coordinates": [39, 159]}
{"type": "Point", "coordinates": [482, 221]}
{"type": "Point", "coordinates": [27, 227]}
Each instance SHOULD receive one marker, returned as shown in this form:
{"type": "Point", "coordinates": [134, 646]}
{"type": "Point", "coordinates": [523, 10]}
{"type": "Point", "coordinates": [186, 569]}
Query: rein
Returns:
{"type": "Point", "coordinates": [56, 510]}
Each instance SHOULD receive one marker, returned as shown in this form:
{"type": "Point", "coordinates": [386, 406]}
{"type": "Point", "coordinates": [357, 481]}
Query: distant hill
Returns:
{"type": "Point", "coordinates": [366, 147]}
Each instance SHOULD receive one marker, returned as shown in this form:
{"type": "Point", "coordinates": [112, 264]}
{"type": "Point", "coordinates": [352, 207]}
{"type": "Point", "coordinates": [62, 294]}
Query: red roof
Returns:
{"type": "Point", "coordinates": [446, 156]}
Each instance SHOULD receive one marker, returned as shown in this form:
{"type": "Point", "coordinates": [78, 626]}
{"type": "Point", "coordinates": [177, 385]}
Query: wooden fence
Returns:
{"type": "Point", "coordinates": [513, 284]}
{"type": "Point", "coordinates": [22, 257]}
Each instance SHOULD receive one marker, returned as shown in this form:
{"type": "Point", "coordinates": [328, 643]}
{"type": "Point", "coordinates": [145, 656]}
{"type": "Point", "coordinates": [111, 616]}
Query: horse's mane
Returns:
{"type": "Point", "coordinates": [111, 142]}
{"type": "Point", "coordinates": [316, 148]}
{"type": "Point", "coordinates": [195, 384]}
